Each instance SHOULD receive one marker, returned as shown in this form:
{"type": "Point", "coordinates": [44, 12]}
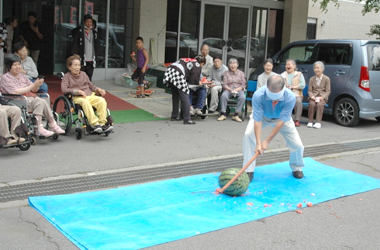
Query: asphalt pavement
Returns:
{"type": "Point", "coordinates": [346, 223]}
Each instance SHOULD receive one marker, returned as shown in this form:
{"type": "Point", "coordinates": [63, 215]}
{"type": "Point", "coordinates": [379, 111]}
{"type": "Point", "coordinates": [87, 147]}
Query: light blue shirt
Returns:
{"type": "Point", "coordinates": [262, 105]}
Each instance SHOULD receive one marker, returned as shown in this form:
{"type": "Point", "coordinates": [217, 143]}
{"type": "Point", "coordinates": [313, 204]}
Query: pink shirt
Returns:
{"type": "Point", "coordinates": [10, 83]}
{"type": "Point", "coordinates": [234, 80]}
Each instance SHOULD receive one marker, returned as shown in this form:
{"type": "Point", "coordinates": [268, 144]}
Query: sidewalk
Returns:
{"type": "Point", "coordinates": [159, 103]}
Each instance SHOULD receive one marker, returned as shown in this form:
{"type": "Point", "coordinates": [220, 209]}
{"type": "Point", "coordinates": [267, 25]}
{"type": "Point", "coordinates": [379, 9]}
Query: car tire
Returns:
{"type": "Point", "coordinates": [378, 118]}
{"type": "Point", "coordinates": [346, 112]}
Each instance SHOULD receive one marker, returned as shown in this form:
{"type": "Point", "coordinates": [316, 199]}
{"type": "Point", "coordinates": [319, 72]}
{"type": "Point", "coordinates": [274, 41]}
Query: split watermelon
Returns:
{"type": "Point", "coordinates": [239, 186]}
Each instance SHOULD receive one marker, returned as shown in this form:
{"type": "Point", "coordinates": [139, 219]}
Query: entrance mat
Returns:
{"type": "Point", "coordinates": [133, 115]}
{"type": "Point", "coordinates": [144, 215]}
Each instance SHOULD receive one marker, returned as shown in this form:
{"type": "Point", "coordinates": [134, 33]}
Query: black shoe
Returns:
{"type": "Point", "coordinates": [98, 129]}
{"type": "Point", "coordinates": [177, 119]}
{"type": "Point", "coordinates": [298, 174]}
{"type": "Point", "coordinates": [211, 112]}
{"type": "Point", "coordinates": [107, 128]}
{"type": "Point", "coordinates": [250, 175]}
{"type": "Point", "coordinates": [189, 122]}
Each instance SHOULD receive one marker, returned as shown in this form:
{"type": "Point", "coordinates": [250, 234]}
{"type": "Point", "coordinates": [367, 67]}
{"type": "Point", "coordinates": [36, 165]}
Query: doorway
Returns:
{"type": "Point", "coordinates": [225, 28]}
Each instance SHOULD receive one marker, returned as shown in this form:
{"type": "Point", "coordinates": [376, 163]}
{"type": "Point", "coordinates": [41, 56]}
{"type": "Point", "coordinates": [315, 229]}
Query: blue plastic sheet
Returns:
{"type": "Point", "coordinates": [144, 215]}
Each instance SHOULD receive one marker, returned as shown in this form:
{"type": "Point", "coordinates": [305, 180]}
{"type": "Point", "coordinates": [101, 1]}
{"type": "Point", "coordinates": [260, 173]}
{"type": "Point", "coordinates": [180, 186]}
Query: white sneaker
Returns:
{"type": "Point", "coordinates": [198, 112]}
{"type": "Point", "coordinates": [192, 111]}
{"type": "Point", "coordinates": [237, 118]}
{"type": "Point", "coordinates": [317, 125]}
{"type": "Point", "coordinates": [310, 125]}
{"type": "Point", "coordinates": [222, 118]}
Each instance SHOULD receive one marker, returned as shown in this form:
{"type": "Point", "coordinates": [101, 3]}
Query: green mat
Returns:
{"type": "Point", "coordinates": [133, 115]}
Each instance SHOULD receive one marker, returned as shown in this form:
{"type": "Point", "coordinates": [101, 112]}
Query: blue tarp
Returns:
{"type": "Point", "coordinates": [144, 215]}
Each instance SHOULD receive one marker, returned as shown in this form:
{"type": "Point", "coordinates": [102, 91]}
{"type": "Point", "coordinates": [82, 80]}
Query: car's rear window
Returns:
{"type": "Point", "coordinates": [373, 55]}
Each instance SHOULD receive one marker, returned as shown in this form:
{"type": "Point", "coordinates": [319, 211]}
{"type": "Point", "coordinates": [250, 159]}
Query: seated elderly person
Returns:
{"type": "Point", "coordinates": [234, 84]}
{"type": "Point", "coordinates": [263, 77]}
{"type": "Point", "coordinates": [78, 83]}
{"type": "Point", "coordinates": [14, 113]}
{"type": "Point", "coordinates": [318, 91]}
{"type": "Point", "coordinates": [294, 81]}
{"type": "Point", "coordinates": [216, 79]}
{"type": "Point", "coordinates": [201, 92]}
{"type": "Point", "coordinates": [14, 82]}
{"type": "Point", "coordinates": [28, 67]}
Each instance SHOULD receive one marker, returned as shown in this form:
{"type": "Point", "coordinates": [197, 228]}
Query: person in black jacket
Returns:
{"type": "Point", "coordinates": [86, 45]}
{"type": "Point", "coordinates": [178, 76]}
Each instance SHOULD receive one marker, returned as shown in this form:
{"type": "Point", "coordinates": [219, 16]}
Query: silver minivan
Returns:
{"type": "Point", "coordinates": [354, 70]}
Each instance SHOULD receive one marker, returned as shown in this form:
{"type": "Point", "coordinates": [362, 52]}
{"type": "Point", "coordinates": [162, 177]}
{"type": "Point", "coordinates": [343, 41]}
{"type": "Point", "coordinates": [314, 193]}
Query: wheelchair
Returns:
{"type": "Point", "coordinates": [22, 131]}
{"type": "Point", "coordinates": [69, 114]}
{"type": "Point", "coordinates": [28, 118]}
{"type": "Point", "coordinates": [232, 103]}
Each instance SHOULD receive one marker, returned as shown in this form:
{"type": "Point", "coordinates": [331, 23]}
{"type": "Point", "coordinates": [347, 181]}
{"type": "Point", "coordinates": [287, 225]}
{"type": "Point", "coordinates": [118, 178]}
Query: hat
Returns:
{"type": "Point", "coordinates": [87, 16]}
{"type": "Point", "coordinates": [275, 96]}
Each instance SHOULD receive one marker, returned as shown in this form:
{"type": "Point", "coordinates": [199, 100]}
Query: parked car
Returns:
{"type": "Point", "coordinates": [354, 70]}
{"type": "Point", "coordinates": [216, 48]}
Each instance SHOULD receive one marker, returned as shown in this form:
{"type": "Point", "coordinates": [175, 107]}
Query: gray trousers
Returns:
{"type": "Point", "coordinates": [214, 92]}
{"type": "Point", "coordinates": [12, 112]}
{"type": "Point", "coordinates": [227, 95]}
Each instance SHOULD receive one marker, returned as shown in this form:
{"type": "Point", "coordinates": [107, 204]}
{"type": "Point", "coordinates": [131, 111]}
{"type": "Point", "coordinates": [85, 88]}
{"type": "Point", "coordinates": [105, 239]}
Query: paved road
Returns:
{"type": "Point", "coordinates": [346, 223]}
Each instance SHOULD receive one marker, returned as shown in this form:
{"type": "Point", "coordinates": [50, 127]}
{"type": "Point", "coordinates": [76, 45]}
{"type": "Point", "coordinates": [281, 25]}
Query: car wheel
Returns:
{"type": "Point", "coordinates": [378, 118]}
{"type": "Point", "coordinates": [346, 112]}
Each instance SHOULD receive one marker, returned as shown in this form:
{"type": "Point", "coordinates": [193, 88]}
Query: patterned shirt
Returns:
{"type": "Point", "coordinates": [234, 80]}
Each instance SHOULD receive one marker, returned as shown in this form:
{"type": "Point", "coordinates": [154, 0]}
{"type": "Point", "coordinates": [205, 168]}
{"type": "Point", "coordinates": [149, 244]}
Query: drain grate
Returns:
{"type": "Point", "coordinates": [123, 178]}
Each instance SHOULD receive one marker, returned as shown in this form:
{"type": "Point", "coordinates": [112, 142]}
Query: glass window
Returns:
{"type": "Point", "coordinates": [276, 18]}
{"type": "Point", "coordinates": [189, 28]}
{"type": "Point", "coordinates": [258, 35]}
{"type": "Point", "coordinates": [117, 36]}
{"type": "Point", "coordinates": [171, 31]}
{"type": "Point", "coordinates": [301, 54]}
{"type": "Point", "coordinates": [337, 54]}
{"type": "Point", "coordinates": [65, 20]}
{"type": "Point", "coordinates": [373, 51]}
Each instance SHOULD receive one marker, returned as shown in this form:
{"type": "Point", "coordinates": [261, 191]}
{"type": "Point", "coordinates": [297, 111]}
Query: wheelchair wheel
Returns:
{"type": "Point", "coordinates": [62, 107]}
{"type": "Point", "coordinates": [79, 133]}
{"type": "Point", "coordinates": [33, 140]}
{"type": "Point", "coordinates": [24, 146]}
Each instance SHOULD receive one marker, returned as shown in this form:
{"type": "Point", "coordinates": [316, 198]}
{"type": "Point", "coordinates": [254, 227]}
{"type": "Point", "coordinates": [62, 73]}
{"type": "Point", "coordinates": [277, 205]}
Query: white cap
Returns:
{"type": "Point", "coordinates": [275, 96]}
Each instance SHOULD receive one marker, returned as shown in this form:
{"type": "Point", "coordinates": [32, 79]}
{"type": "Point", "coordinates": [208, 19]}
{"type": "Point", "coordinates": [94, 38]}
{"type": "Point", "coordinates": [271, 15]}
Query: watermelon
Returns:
{"type": "Point", "coordinates": [239, 186]}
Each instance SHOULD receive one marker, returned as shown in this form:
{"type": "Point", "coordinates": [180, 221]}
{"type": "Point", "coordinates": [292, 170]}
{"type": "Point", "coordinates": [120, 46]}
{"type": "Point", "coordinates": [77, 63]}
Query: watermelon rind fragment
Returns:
{"type": "Point", "coordinates": [239, 186]}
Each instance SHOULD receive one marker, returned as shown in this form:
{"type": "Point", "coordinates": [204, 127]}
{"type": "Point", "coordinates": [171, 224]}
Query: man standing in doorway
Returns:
{"type": "Point", "coordinates": [30, 34]}
{"type": "Point", "coordinates": [86, 45]}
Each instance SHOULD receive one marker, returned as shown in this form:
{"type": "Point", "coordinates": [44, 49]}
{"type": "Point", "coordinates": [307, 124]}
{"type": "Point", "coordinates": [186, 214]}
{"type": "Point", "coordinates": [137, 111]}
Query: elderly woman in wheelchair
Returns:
{"type": "Point", "coordinates": [15, 83]}
{"type": "Point", "coordinates": [86, 94]}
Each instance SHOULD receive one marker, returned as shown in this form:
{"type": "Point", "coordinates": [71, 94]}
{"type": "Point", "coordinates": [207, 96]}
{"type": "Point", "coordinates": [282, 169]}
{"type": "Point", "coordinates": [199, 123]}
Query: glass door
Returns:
{"type": "Point", "coordinates": [65, 20]}
{"type": "Point", "coordinates": [225, 31]}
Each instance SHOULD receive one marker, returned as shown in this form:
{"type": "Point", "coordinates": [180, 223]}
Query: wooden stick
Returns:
{"type": "Point", "coordinates": [218, 190]}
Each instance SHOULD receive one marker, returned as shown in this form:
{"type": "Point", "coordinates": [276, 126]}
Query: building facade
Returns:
{"type": "Point", "coordinates": [248, 30]}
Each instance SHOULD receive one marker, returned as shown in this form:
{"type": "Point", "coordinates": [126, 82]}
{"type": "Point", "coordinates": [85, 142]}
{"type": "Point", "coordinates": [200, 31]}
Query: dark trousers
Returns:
{"type": "Point", "coordinates": [88, 69]}
{"type": "Point", "coordinates": [177, 95]}
{"type": "Point", "coordinates": [139, 74]}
